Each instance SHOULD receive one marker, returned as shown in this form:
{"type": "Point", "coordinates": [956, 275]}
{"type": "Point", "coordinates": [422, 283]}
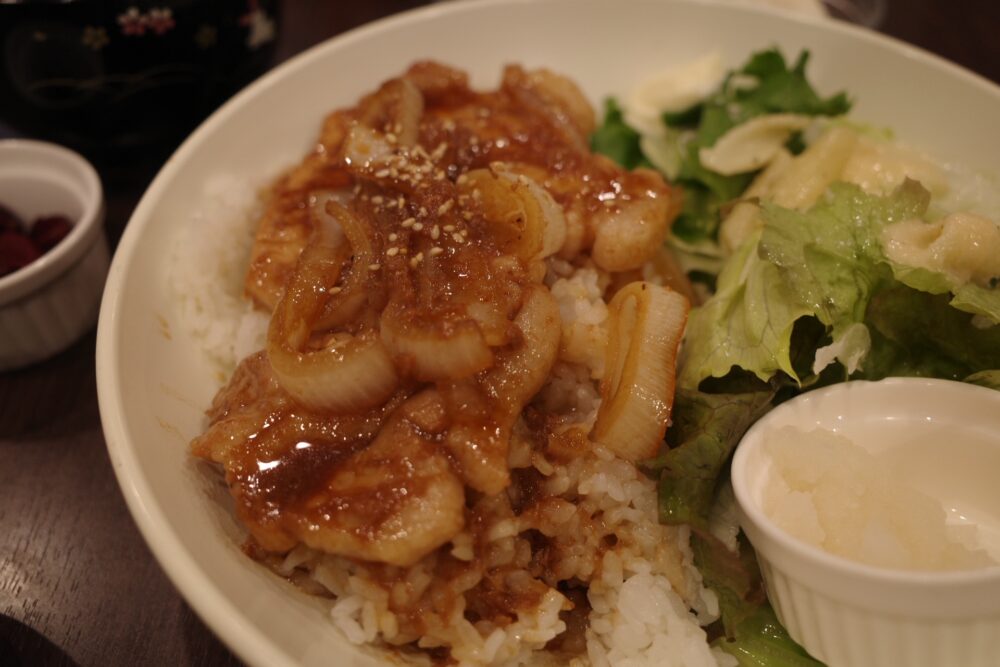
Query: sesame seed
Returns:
{"type": "Point", "coordinates": [418, 226]}
{"type": "Point", "coordinates": [392, 252]}
{"type": "Point", "coordinates": [445, 207]}
{"type": "Point", "coordinates": [409, 222]}
{"type": "Point", "coordinates": [404, 250]}
{"type": "Point", "coordinates": [393, 237]}
{"type": "Point", "coordinates": [435, 232]}
{"type": "Point", "coordinates": [400, 201]}
{"type": "Point", "coordinates": [457, 237]}
{"type": "Point", "coordinates": [374, 267]}
{"type": "Point", "coordinates": [336, 290]}
{"type": "Point", "coordinates": [357, 189]}
{"type": "Point", "coordinates": [466, 216]}
{"type": "Point", "coordinates": [416, 259]}
{"type": "Point", "coordinates": [381, 173]}
{"type": "Point", "coordinates": [422, 212]}
{"type": "Point", "coordinates": [391, 138]}
{"type": "Point", "coordinates": [397, 128]}
{"type": "Point", "coordinates": [462, 179]}
{"type": "Point", "coordinates": [377, 199]}
{"type": "Point", "coordinates": [436, 250]}
{"type": "Point", "coordinates": [521, 178]}
{"type": "Point", "coordinates": [449, 228]}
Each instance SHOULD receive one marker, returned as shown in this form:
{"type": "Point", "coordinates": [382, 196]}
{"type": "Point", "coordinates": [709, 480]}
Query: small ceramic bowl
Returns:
{"type": "Point", "coordinates": [848, 613]}
{"type": "Point", "coordinates": [48, 304]}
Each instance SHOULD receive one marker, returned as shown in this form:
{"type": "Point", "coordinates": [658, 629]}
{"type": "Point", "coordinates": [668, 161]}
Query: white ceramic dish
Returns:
{"type": "Point", "coordinates": [154, 381]}
{"type": "Point", "coordinates": [850, 614]}
{"type": "Point", "coordinates": [48, 304]}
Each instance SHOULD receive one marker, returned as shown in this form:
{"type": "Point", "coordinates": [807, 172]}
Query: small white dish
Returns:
{"type": "Point", "coordinates": [48, 304]}
{"type": "Point", "coordinates": [847, 613]}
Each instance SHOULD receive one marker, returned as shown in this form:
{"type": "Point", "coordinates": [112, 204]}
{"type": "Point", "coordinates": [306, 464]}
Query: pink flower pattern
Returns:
{"type": "Point", "coordinates": [159, 20]}
{"type": "Point", "coordinates": [132, 22]}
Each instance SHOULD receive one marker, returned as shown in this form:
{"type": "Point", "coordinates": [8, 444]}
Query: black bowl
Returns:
{"type": "Point", "coordinates": [105, 76]}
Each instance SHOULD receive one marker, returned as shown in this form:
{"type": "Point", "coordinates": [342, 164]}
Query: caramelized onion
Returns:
{"type": "Point", "coordinates": [352, 373]}
{"type": "Point", "coordinates": [646, 325]}
{"type": "Point", "coordinates": [525, 219]}
{"type": "Point", "coordinates": [396, 107]}
{"type": "Point", "coordinates": [351, 295]}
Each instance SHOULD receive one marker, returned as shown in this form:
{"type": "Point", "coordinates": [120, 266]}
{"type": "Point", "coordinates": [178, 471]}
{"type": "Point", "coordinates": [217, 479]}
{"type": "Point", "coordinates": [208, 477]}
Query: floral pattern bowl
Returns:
{"type": "Point", "coordinates": [105, 76]}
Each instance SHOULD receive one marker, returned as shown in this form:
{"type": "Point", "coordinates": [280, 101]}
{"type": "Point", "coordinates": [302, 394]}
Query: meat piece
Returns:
{"type": "Point", "coordinates": [367, 486]}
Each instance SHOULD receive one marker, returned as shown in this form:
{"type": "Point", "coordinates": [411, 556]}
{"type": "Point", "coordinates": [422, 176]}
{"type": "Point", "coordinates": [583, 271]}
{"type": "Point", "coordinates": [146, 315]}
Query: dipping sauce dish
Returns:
{"type": "Point", "coordinates": [939, 437]}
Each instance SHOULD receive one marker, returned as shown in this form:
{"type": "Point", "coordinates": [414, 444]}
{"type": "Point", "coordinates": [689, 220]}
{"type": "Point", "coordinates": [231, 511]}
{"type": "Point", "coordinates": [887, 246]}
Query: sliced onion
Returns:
{"type": "Point", "coordinates": [753, 144]}
{"type": "Point", "coordinates": [352, 294]}
{"type": "Point", "coordinates": [646, 325]}
{"type": "Point", "coordinates": [431, 352]}
{"type": "Point", "coordinates": [354, 374]}
{"type": "Point", "coordinates": [397, 106]}
{"type": "Point", "coordinates": [525, 219]}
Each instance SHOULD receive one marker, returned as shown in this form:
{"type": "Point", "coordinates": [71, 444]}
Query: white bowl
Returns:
{"type": "Point", "coordinates": [47, 305]}
{"type": "Point", "coordinates": [155, 380]}
{"type": "Point", "coordinates": [847, 613]}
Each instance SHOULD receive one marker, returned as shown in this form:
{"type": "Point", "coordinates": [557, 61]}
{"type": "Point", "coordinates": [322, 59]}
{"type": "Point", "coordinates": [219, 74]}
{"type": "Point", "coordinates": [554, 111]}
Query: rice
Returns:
{"type": "Point", "coordinates": [209, 257]}
{"type": "Point", "coordinates": [644, 599]}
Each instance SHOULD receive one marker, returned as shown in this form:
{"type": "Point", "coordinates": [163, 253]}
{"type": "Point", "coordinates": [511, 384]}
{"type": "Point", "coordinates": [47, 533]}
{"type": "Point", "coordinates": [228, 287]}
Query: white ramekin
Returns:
{"type": "Point", "coordinates": [47, 305]}
{"type": "Point", "coordinates": [850, 614]}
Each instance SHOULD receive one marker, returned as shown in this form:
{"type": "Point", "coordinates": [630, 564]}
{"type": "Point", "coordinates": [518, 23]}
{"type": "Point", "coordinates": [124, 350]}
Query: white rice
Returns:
{"type": "Point", "coordinates": [647, 601]}
{"type": "Point", "coordinates": [210, 255]}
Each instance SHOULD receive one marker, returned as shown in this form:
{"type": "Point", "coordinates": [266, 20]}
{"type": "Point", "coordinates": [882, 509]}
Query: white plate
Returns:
{"type": "Point", "coordinates": [153, 389]}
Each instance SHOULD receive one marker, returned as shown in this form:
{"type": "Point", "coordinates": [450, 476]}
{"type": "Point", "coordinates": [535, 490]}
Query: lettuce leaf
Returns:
{"type": "Point", "coordinates": [706, 429]}
{"type": "Point", "coordinates": [616, 139]}
{"type": "Point", "coordinates": [879, 318]}
{"type": "Point", "coordinates": [761, 641]}
{"type": "Point", "coordinates": [765, 84]}
{"type": "Point", "coordinates": [748, 323]}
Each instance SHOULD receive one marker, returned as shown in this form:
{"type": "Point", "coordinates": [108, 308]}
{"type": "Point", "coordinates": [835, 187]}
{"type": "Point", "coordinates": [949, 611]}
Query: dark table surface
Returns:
{"type": "Point", "coordinates": [78, 585]}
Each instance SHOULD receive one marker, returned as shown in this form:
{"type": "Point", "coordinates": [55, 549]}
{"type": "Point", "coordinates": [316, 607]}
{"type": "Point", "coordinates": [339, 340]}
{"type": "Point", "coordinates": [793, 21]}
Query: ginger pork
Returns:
{"type": "Point", "coordinates": [471, 343]}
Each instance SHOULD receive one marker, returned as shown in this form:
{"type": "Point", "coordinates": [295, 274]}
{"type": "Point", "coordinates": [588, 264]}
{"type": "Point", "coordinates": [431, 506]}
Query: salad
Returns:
{"type": "Point", "coordinates": [823, 251]}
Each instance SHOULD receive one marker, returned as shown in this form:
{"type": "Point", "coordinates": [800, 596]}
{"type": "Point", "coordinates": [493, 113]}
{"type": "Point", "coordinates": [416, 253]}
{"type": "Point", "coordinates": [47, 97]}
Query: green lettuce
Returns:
{"type": "Point", "coordinates": [748, 323]}
{"type": "Point", "coordinates": [761, 641]}
{"type": "Point", "coordinates": [616, 139]}
{"type": "Point", "coordinates": [880, 318]}
{"type": "Point", "coordinates": [765, 84]}
{"type": "Point", "coordinates": [706, 428]}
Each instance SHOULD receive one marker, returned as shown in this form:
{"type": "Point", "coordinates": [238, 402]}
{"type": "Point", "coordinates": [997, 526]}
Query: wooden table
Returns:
{"type": "Point", "coordinates": [78, 586]}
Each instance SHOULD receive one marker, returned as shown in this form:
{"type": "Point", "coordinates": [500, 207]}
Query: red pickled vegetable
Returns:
{"type": "Point", "coordinates": [9, 221]}
{"type": "Point", "coordinates": [50, 230]}
{"type": "Point", "coordinates": [16, 250]}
